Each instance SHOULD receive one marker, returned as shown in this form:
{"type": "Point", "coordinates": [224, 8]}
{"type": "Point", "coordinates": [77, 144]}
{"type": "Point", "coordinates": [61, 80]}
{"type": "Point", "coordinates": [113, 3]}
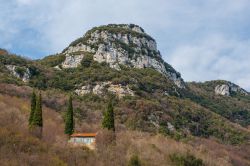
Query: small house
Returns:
{"type": "Point", "coordinates": [83, 139]}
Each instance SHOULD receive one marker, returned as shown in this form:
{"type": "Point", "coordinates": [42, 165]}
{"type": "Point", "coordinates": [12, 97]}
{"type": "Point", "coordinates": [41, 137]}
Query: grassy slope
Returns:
{"type": "Point", "coordinates": [18, 146]}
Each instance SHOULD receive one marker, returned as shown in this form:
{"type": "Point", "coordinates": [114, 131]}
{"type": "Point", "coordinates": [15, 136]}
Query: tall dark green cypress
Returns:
{"type": "Point", "coordinates": [69, 119]}
{"type": "Point", "coordinates": [108, 119]}
{"type": "Point", "coordinates": [32, 107]}
{"type": "Point", "coordinates": [38, 114]}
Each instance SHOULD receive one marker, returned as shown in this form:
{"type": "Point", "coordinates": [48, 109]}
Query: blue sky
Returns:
{"type": "Point", "coordinates": [203, 40]}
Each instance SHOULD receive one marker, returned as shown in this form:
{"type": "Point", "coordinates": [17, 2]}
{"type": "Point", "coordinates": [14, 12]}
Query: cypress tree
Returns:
{"type": "Point", "coordinates": [109, 120]}
{"type": "Point", "coordinates": [69, 119]}
{"type": "Point", "coordinates": [38, 114]}
{"type": "Point", "coordinates": [32, 107]}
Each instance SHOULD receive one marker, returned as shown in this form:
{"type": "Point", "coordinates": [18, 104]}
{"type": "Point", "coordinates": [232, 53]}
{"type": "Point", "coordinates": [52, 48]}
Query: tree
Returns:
{"type": "Point", "coordinates": [108, 120]}
{"type": "Point", "coordinates": [32, 107]}
{"type": "Point", "coordinates": [38, 114]}
{"type": "Point", "coordinates": [69, 119]}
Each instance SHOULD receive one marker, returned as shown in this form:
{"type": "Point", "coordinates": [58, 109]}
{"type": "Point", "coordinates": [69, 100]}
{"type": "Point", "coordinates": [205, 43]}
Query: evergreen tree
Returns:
{"type": "Point", "coordinates": [32, 107]}
{"type": "Point", "coordinates": [108, 120]}
{"type": "Point", "coordinates": [38, 114]}
{"type": "Point", "coordinates": [69, 119]}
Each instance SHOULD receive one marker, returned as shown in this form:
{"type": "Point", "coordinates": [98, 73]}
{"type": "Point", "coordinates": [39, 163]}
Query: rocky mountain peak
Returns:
{"type": "Point", "coordinates": [120, 44]}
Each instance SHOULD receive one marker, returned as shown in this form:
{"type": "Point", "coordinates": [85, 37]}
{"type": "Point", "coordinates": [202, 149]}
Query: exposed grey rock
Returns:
{"type": "Point", "coordinates": [170, 126]}
{"type": "Point", "coordinates": [79, 48]}
{"type": "Point", "coordinates": [84, 90]}
{"type": "Point", "coordinates": [228, 88]}
{"type": "Point", "coordinates": [120, 90]}
{"type": "Point", "coordinates": [222, 90]}
{"type": "Point", "coordinates": [72, 61]}
{"type": "Point", "coordinates": [24, 77]}
{"type": "Point", "coordinates": [137, 50]}
{"type": "Point", "coordinates": [236, 88]}
{"type": "Point", "coordinates": [101, 87]}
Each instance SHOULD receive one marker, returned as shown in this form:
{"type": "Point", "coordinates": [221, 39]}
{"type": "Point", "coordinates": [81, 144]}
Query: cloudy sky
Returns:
{"type": "Point", "coordinates": [204, 40]}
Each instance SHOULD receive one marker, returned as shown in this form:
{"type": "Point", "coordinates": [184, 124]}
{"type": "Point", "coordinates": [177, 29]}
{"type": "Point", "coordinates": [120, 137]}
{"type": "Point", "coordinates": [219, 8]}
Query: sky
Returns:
{"type": "Point", "coordinates": [203, 40]}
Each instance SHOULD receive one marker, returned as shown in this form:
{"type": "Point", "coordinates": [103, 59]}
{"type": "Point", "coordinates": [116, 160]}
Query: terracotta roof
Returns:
{"type": "Point", "coordinates": [83, 135]}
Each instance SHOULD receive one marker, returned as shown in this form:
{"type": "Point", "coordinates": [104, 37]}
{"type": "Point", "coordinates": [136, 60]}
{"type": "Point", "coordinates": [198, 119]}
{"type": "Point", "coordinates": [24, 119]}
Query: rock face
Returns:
{"type": "Point", "coordinates": [72, 61]}
{"type": "Point", "coordinates": [228, 89]}
{"type": "Point", "coordinates": [222, 90]}
{"type": "Point", "coordinates": [20, 72]}
{"type": "Point", "coordinates": [119, 45]}
{"type": "Point", "coordinates": [103, 87]}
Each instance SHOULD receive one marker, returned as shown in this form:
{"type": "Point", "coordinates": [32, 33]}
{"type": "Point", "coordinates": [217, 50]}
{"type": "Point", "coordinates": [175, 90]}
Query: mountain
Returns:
{"type": "Point", "coordinates": [122, 60]}
{"type": "Point", "coordinates": [117, 45]}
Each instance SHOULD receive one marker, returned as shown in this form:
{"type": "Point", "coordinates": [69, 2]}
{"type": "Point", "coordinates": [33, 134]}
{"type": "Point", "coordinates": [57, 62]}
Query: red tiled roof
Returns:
{"type": "Point", "coordinates": [83, 135]}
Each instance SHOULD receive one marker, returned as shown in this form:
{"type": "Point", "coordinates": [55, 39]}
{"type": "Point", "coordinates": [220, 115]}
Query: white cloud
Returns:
{"type": "Point", "coordinates": [209, 37]}
{"type": "Point", "coordinates": [213, 58]}
{"type": "Point", "coordinates": [25, 2]}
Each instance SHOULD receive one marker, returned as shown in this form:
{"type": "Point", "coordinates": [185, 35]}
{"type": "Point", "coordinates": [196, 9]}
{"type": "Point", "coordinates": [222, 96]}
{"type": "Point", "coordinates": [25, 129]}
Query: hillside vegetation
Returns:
{"type": "Point", "coordinates": [157, 118]}
{"type": "Point", "coordinates": [18, 146]}
{"type": "Point", "coordinates": [194, 111]}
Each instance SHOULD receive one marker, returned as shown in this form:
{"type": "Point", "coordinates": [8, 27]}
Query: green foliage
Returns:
{"type": "Point", "coordinates": [87, 59]}
{"type": "Point", "coordinates": [108, 119]}
{"type": "Point", "coordinates": [134, 161]}
{"type": "Point", "coordinates": [235, 108]}
{"type": "Point", "coordinates": [32, 108]}
{"type": "Point", "coordinates": [69, 119]}
{"type": "Point", "coordinates": [39, 81]}
{"type": "Point", "coordinates": [38, 114]}
{"type": "Point", "coordinates": [204, 123]}
{"type": "Point", "coordinates": [185, 160]}
{"type": "Point", "coordinates": [20, 70]}
{"type": "Point", "coordinates": [169, 68]}
{"type": "Point", "coordinates": [164, 130]}
{"type": "Point", "coordinates": [11, 59]}
{"type": "Point", "coordinates": [52, 60]}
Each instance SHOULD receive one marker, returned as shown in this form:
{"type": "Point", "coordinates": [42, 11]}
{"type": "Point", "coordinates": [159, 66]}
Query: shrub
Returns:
{"type": "Point", "coordinates": [134, 161]}
{"type": "Point", "coordinates": [20, 71]}
{"type": "Point", "coordinates": [185, 160]}
{"type": "Point", "coordinates": [87, 59]}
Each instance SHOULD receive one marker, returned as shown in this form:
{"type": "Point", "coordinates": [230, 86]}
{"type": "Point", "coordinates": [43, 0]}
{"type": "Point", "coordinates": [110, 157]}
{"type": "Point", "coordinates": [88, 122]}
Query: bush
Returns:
{"type": "Point", "coordinates": [52, 60]}
{"type": "Point", "coordinates": [134, 161]}
{"type": "Point", "coordinates": [20, 71]}
{"type": "Point", "coordinates": [87, 59]}
{"type": "Point", "coordinates": [185, 160]}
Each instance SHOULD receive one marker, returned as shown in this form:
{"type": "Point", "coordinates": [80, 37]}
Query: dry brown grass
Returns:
{"type": "Point", "coordinates": [155, 150]}
{"type": "Point", "coordinates": [18, 146]}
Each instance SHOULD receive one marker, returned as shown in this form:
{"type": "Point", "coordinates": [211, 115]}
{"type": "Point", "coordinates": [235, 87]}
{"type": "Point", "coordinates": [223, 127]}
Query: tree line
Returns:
{"type": "Point", "coordinates": [36, 116]}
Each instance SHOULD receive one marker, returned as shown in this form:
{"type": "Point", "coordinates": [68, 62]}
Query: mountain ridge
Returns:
{"type": "Point", "coordinates": [120, 44]}
{"type": "Point", "coordinates": [151, 95]}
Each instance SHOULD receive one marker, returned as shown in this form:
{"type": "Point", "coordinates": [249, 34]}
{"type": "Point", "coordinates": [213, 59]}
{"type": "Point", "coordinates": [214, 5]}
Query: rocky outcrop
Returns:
{"type": "Point", "coordinates": [72, 61]}
{"type": "Point", "coordinates": [222, 90]}
{"type": "Point", "coordinates": [103, 87]}
{"type": "Point", "coordinates": [119, 45]}
{"type": "Point", "coordinates": [20, 72]}
{"type": "Point", "coordinates": [228, 88]}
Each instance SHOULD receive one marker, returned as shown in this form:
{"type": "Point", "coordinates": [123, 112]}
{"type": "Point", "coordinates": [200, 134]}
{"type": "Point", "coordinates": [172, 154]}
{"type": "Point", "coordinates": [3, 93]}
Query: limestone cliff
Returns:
{"type": "Point", "coordinates": [227, 89]}
{"type": "Point", "coordinates": [117, 45]}
{"type": "Point", "coordinates": [22, 73]}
